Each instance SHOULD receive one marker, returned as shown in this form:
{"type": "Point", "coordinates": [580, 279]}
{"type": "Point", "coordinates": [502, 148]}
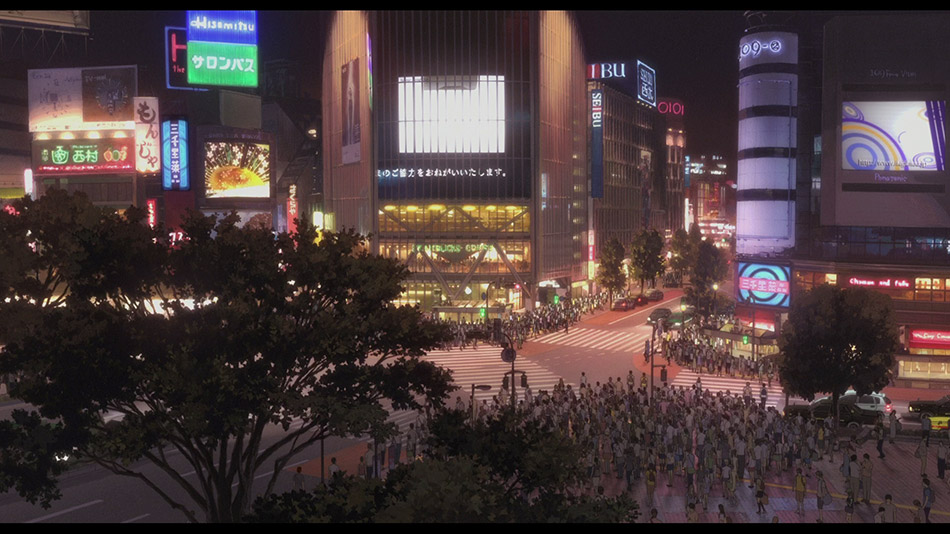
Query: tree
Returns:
{"type": "Point", "coordinates": [836, 338]}
{"type": "Point", "coordinates": [646, 256]}
{"type": "Point", "coordinates": [681, 253]}
{"type": "Point", "coordinates": [710, 268]}
{"type": "Point", "coordinates": [199, 347]}
{"type": "Point", "coordinates": [610, 275]}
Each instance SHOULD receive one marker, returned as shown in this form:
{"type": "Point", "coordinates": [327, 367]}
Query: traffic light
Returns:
{"type": "Point", "coordinates": [663, 374]}
{"type": "Point", "coordinates": [557, 299]}
{"type": "Point", "coordinates": [483, 312]}
{"type": "Point", "coordinates": [504, 383]}
{"type": "Point", "coordinates": [496, 332]}
{"type": "Point", "coordinates": [524, 380]}
{"type": "Point", "coordinates": [745, 339]}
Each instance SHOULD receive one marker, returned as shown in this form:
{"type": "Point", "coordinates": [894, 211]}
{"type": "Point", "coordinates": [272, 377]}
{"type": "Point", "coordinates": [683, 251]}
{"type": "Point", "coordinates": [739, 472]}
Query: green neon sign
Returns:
{"type": "Point", "coordinates": [222, 64]}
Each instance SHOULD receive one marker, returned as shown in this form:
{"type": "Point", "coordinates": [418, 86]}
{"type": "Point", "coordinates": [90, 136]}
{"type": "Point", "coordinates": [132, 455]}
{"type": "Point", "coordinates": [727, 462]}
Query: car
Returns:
{"type": "Point", "coordinates": [677, 319]}
{"type": "Point", "coordinates": [659, 313]}
{"type": "Point", "coordinates": [623, 305]}
{"type": "Point", "coordinates": [849, 414]}
{"type": "Point", "coordinates": [871, 401]}
{"type": "Point", "coordinates": [939, 407]}
{"type": "Point", "coordinates": [641, 300]}
{"type": "Point", "coordinates": [653, 294]}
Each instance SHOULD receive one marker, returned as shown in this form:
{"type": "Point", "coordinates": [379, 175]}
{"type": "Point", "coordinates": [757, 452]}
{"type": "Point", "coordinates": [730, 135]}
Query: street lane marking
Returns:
{"type": "Point", "coordinates": [143, 516]}
{"type": "Point", "coordinates": [66, 511]}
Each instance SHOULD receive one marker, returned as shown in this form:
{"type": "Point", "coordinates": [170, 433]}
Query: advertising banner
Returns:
{"type": "Point", "coordinates": [222, 64]}
{"type": "Point", "coordinates": [236, 163]}
{"type": "Point", "coordinates": [236, 27]}
{"type": "Point", "coordinates": [351, 111]}
{"type": "Point", "coordinates": [84, 156]}
{"type": "Point", "coordinates": [175, 155]}
{"type": "Point", "coordinates": [597, 143]}
{"type": "Point", "coordinates": [147, 141]}
{"type": "Point", "coordinates": [58, 19]}
{"type": "Point", "coordinates": [176, 59]}
{"type": "Point", "coordinates": [763, 284]}
{"type": "Point", "coordinates": [81, 99]}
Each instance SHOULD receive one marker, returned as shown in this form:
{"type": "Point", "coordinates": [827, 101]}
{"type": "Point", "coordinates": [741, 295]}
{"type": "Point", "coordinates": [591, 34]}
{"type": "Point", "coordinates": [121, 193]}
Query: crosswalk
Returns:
{"type": "Point", "coordinates": [686, 378]}
{"type": "Point", "coordinates": [481, 366]}
{"type": "Point", "coordinates": [598, 339]}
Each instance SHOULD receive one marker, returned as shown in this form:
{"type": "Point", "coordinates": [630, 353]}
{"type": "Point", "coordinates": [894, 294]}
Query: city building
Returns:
{"type": "Point", "coordinates": [674, 110]}
{"type": "Point", "coordinates": [870, 186]}
{"type": "Point", "coordinates": [459, 141]}
{"type": "Point", "coordinates": [712, 197]}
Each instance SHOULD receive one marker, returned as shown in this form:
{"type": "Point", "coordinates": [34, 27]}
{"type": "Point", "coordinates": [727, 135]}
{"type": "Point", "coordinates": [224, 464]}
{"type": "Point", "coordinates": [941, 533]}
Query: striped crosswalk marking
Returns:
{"type": "Point", "coordinates": [482, 366]}
{"type": "Point", "coordinates": [597, 339]}
{"type": "Point", "coordinates": [686, 378]}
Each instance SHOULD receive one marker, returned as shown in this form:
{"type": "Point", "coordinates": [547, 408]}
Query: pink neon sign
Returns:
{"type": "Point", "coordinates": [879, 282]}
{"type": "Point", "coordinates": [763, 285]}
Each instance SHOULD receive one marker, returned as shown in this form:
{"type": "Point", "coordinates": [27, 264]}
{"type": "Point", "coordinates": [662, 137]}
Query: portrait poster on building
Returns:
{"type": "Point", "coordinates": [351, 112]}
{"type": "Point", "coordinates": [107, 94]}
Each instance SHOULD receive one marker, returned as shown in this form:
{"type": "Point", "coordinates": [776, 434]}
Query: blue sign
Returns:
{"type": "Point", "coordinates": [235, 27]}
{"type": "Point", "coordinates": [646, 83]}
{"type": "Point", "coordinates": [763, 284]}
{"type": "Point", "coordinates": [175, 155]}
{"type": "Point", "coordinates": [597, 143]}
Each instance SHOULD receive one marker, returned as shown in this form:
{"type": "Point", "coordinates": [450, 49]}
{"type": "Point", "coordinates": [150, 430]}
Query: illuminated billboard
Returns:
{"type": "Point", "coordinates": [451, 114]}
{"type": "Point", "coordinates": [763, 284]}
{"type": "Point", "coordinates": [350, 84]}
{"type": "Point", "coordinates": [175, 174]}
{"type": "Point", "coordinates": [596, 143]}
{"type": "Point", "coordinates": [222, 64]}
{"type": "Point", "coordinates": [237, 169]}
{"type": "Point", "coordinates": [237, 27]}
{"type": "Point", "coordinates": [84, 156]}
{"type": "Point", "coordinates": [96, 98]}
{"type": "Point", "coordinates": [646, 83]}
{"type": "Point", "coordinates": [893, 136]}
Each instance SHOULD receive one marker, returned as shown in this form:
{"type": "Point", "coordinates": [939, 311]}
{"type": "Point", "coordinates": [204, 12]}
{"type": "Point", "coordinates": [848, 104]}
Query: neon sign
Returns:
{"type": "Point", "coordinates": [238, 27]}
{"type": "Point", "coordinates": [930, 336]}
{"type": "Point", "coordinates": [175, 155]}
{"type": "Point", "coordinates": [151, 207]}
{"type": "Point", "coordinates": [670, 108]}
{"type": "Point", "coordinates": [879, 282]}
{"type": "Point", "coordinates": [84, 156]}
{"type": "Point", "coordinates": [597, 71]}
{"type": "Point", "coordinates": [292, 208]}
{"type": "Point", "coordinates": [754, 48]}
{"type": "Point", "coordinates": [764, 284]}
{"type": "Point", "coordinates": [646, 83]}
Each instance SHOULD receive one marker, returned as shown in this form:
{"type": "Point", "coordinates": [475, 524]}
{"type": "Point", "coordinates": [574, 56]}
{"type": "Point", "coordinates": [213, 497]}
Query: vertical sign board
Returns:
{"type": "Point", "coordinates": [646, 83]}
{"type": "Point", "coordinates": [222, 48]}
{"type": "Point", "coordinates": [151, 207]}
{"type": "Point", "coordinates": [175, 155]}
{"type": "Point", "coordinates": [147, 142]}
{"type": "Point", "coordinates": [597, 143]}
{"type": "Point", "coordinates": [292, 214]}
{"type": "Point", "coordinates": [351, 111]}
{"type": "Point", "coordinates": [176, 59]}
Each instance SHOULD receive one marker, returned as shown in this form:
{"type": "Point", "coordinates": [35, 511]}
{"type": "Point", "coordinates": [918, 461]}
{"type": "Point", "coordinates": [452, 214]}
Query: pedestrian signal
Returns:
{"type": "Point", "coordinates": [745, 339]}
{"type": "Point", "coordinates": [524, 380]}
{"type": "Point", "coordinates": [663, 374]}
{"type": "Point", "coordinates": [483, 312]}
{"type": "Point", "coordinates": [504, 383]}
{"type": "Point", "coordinates": [557, 299]}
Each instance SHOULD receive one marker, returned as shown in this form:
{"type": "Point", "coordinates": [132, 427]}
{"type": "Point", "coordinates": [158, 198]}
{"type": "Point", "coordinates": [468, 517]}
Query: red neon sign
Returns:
{"type": "Point", "coordinates": [151, 207]}
{"type": "Point", "coordinates": [935, 337]}
{"type": "Point", "coordinates": [669, 107]}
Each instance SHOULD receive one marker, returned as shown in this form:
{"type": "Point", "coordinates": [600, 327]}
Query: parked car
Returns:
{"type": "Point", "coordinates": [641, 300]}
{"type": "Point", "coordinates": [659, 313]}
{"type": "Point", "coordinates": [939, 407]}
{"type": "Point", "coordinates": [653, 294]}
{"type": "Point", "coordinates": [623, 305]}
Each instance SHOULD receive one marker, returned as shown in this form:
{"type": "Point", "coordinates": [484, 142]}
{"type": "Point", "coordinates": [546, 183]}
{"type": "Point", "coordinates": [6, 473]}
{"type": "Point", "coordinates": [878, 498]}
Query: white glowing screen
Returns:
{"type": "Point", "coordinates": [451, 114]}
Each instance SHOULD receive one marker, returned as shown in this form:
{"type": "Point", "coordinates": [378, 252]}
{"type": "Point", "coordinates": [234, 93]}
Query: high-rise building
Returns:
{"type": "Point", "coordinates": [458, 139]}
{"type": "Point", "coordinates": [711, 181]}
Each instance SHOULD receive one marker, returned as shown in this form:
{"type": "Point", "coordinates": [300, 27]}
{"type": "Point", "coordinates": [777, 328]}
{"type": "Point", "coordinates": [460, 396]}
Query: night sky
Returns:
{"type": "Point", "coordinates": [694, 53]}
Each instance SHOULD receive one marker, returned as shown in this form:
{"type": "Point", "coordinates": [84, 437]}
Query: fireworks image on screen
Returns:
{"type": "Point", "coordinates": [236, 169]}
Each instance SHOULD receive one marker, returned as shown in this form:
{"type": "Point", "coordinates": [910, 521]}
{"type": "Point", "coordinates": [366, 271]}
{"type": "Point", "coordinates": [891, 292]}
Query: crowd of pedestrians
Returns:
{"type": "Point", "coordinates": [695, 351]}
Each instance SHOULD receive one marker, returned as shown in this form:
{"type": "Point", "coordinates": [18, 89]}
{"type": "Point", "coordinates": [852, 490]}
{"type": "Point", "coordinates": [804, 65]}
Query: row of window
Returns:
{"type": "Point", "coordinates": [436, 218]}
{"type": "Point", "coordinates": [926, 289]}
{"type": "Point", "coordinates": [459, 257]}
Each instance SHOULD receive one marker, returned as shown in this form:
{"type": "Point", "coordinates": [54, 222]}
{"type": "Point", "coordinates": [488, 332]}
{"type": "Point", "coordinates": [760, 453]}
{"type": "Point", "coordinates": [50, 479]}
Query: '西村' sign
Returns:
{"type": "Point", "coordinates": [84, 156]}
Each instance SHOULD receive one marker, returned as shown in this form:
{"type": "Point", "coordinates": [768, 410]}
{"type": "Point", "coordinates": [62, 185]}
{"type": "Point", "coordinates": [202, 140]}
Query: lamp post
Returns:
{"type": "Point", "coordinates": [716, 302]}
{"type": "Point", "coordinates": [474, 406]}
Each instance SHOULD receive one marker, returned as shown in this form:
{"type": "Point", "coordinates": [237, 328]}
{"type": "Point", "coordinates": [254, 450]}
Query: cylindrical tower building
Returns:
{"type": "Point", "coordinates": [768, 100]}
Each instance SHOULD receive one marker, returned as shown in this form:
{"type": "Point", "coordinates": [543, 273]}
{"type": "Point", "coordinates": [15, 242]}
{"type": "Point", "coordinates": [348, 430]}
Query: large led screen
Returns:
{"type": "Point", "coordinates": [893, 136]}
{"type": "Point", "coordinates": [451, 114]}
{"type": "Point", "coordinates": [237, 169]}
{"type": "Point", "coordinates": [759, 283]}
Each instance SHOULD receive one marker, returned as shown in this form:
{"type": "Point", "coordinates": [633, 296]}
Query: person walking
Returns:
{"type": "Point", "coordinates": [866, 468]}
{"type": "Point", "coordinates": [799, 491]}
{"type": "Point", "coordinates": [855, 470]}
{"type": "Point", "coordinates": [921, 453]}
{"type": "Point", "coordinates": [890, 509]}
{"type": "Point", "coordinates": [892, 426]}
{"type": "Point", "coordinates": [361, 469]}
{"type": "Point", "coordinates": [761, 498]}
{"type": "Point", "coordinates": [925, 426]}
{"type": "Point", "coordinates": [849, 505]}
{"type": "Point", "coordinates": [941, 458]}
{"type": "Point", "coordinates": [764, 395]}
{"type": "Point", "coordinates": [298, 479]}
{"type": "Point", "coordinates": [879, 437]}
{"type": "Point", "coordinates": [928, 499]}
{"type": "Point", "coordinates": [821, 491]}
{"type": "Point", "coordinates": [651, 483]}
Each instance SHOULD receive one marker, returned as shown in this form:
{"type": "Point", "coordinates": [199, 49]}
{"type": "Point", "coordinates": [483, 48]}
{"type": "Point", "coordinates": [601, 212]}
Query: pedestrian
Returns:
{"type": "Point", "coordinates": [692, 516]}
{"type": "Point", "coordinates": [928, 499]}
{"type": "Point", "coordinates": [855, 470]}
{"type": "Point", "coordinates": [761, 498]}
{"type": "Point", "coordinates": [799, 491]}
{"type": "Point", "coordinates": [336, 474]}
{"type": "Point", "coordinates": [925, 426]}
{"type": "Point", "coordinates": [298, 479]}
{"type": "Point", "coordinates": [764, 395]}
{"type": "Point", "coordinates": [890, 509]}
{"type": "Point", "coordinates": [651, 482]}
{"type": "Point", "coordinates": [892, 426]}
{"type": "Point", "coordinates": [371, 465]}
{"type": "Point", "coordinates": [919, 512]}
{"type": "Point", "coordinates": [361, 469]}
{"type": "Point", "coordinates": [941, 458]}
{"type": "Point", "coordinates": [722, 514]}
{"type": "Point", "coordinates": [849, 505]}
{"type": "Point", "coordinates": [921, 453]}
{"type": "Point", "coordinates": [879, 436]}
{"type": "Point", "coordinates": [822, 493]}
{"type": "Point", "coordinates": [866, 468]}
{"type": "Point", "coordinates": [654, 516]}
{"type": "Point", "coordinates": [879, 516]}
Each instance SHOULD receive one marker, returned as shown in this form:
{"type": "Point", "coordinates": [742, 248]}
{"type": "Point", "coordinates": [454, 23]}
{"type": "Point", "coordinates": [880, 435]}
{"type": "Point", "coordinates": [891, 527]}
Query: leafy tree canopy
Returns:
{"type": "Point", "coordinates": [610, 274]}
{"type": "Point", "coordinates": [198, 347]}
{"type": "Point", "coordinates": [646, 256]}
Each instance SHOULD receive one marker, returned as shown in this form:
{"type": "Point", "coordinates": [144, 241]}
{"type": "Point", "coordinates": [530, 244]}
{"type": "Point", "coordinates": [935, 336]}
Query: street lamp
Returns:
{"type": "Point", "coordinates": [716, 302]}
{"type": "Point", "coordinates": [480, 388]}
